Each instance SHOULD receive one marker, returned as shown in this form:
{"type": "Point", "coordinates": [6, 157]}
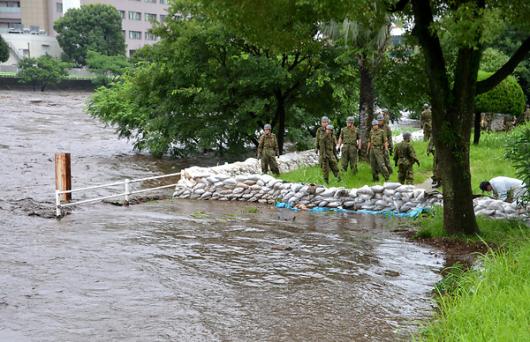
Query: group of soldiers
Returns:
{"type": "Point", "coordinates": [380, 148]}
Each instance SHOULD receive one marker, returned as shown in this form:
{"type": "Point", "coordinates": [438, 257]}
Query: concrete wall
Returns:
{"type": "Point", "coordinates": [29, 45]}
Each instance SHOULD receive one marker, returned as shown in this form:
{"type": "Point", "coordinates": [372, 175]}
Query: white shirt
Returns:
{"type": "Point", "coordinates": [502, 185]}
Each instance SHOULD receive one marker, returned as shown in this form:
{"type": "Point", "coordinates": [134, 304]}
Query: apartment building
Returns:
{"type": "Point", "coordinates": [36, 17]}
{"type": "Point", "coordinates": [137, 17]}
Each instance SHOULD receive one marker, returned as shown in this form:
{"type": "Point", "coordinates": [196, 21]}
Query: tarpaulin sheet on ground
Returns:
{"type": "Point", "coordinates": [413, 213]}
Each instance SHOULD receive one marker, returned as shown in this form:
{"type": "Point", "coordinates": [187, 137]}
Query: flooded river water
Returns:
{"type": "Point", "coordinates": [184, 270]}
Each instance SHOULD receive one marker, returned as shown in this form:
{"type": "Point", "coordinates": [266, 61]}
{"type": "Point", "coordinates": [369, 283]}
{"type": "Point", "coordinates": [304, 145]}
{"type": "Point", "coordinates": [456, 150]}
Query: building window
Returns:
{"type": "Point", "coordinates": [135, 15]}
{"type": "Point", "coordinates": [136, 35]}
{"type": "Point", "coordinates": [162, 17]}
{"type": "Point", "coordinates": [59, 7]}
{"type": "Point", "coordinates": [163, 2]}
{"type": "Point", "coordinates": [150, 17]}
{"type": "Point", "coordinates": [122, 14]}
{"type": "Point", "coordinates": [151, 1]}
{"type": "Point", "coordinates": [150, 36]}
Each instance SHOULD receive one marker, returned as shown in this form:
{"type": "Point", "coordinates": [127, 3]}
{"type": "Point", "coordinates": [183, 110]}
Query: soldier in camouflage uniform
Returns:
{"type": "Point", "coordinates": [267, 150]}
{"type": "Point", "coordinates": [328, 158]}
{"type": "Point", "coordinates": [404, 159]}
{"type": "Point", "coordinates": [436, 175]}
{"type": "Point", "coordinates": [377, 144]}
{"type": "Point", "coordinates": [321, 131]}
{"type": "Point", "coordinates": [349, 139]}
{"type": "Point", "coordinates": [383, 124]}
{"type": "Point", "coordinates": [426, 122]}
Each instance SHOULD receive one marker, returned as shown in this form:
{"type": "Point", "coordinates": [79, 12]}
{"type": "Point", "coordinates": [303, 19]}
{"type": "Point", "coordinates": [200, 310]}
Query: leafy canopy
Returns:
{"type": "Point", "coordinates": [106, 68]}
{"type": "Point", "coordinates": [42, 71]}
{"type": "Point", "coordinates": [94, 27]}
{"type": "Point", "coordinates": [507, 97]}
{"type": "Point", "coordinates": [204, 87]}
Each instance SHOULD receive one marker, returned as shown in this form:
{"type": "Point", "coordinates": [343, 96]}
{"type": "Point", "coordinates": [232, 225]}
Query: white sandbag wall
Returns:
{"type": "Point", "coordinates": [243, 181]}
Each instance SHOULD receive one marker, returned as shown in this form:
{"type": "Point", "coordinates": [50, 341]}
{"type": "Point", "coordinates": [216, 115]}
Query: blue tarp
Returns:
{"type": "Point", "coordinates": [413, 213]}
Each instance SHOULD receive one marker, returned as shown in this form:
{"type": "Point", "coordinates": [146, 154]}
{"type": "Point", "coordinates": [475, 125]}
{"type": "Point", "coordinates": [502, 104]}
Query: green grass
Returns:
{"type": "Point", "coordinates": [487, 161]}
{"type": "Point", "coordinates": [491, 303]}
{"type": "Point", "coordinates": [493, 232]}
{"type": "Point", "coordinates": [488, 303]}
{"type": "Point", "coordinates": [313, 174]}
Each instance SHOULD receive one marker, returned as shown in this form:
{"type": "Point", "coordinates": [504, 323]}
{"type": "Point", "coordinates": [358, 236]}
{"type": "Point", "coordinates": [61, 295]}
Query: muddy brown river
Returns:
{"type": "Point", "coordinates": [174, 270]}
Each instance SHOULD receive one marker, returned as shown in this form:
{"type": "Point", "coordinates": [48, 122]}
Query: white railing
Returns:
{"type": "Point", "coordinates": [127, 191]}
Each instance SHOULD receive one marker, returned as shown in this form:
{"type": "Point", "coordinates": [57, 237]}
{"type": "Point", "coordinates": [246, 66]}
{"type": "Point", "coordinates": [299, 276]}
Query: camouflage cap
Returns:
{"type": "Point", "coordinates": [406, 136]}
{"type": "Point", "coordinates": [380, 117]}
{"type": "Point", "coordinates": [349, 119]}
{"type": "Point", "coordinates": [324, 118]}
{"type": "Point", "coordinates": [426, 105]}
{"type": "Point", "coordinates": [267, 126]}
{"type": "Point", "coordinates": [375, 122]}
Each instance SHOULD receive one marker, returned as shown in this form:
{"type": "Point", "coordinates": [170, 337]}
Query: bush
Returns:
{"type": "Point", "coordinates": [507, 97]}
{"type": "Point", "coordinates": [42, 71]}
{"type": "Point", "coordinates": [518, 152]}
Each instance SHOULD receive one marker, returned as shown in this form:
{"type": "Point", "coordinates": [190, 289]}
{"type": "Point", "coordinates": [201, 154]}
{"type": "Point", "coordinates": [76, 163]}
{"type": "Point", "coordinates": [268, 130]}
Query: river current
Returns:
{"type": "Point", "coordinates": [174, 270]}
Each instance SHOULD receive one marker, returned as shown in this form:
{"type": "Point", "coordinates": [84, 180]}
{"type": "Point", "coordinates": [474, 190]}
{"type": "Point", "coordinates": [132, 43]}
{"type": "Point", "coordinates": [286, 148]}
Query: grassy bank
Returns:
{"type": "Point", "coordinates": [490, 302]}
{"type": "Point", "coordinates": [487, 161]}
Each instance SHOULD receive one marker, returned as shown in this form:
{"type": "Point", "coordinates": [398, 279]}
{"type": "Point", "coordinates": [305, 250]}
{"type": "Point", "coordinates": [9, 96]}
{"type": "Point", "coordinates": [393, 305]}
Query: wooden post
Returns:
{"type": "Point", "coordinates": [63, 176]}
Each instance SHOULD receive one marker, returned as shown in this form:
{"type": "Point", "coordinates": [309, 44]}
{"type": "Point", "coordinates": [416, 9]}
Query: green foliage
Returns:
{"type": "Point", "coordinates": [42, 71]}
{"type": "Point", "coordinates": [106, 68]}
{"type": "Point", "coordinates": [518, 152]}
{"type": "Point", "coordinates": [4, 50]}
{"type": "Point", "coordinates": [401, 82]}
{"type": "Point", "coordinates": [507, 97]}
{"type": "Point", "coordinates": [492, 60]}
{"type": "Point", "coordinates": [90, 27]}
{"type": "Point", "coordinates": [204, 87]}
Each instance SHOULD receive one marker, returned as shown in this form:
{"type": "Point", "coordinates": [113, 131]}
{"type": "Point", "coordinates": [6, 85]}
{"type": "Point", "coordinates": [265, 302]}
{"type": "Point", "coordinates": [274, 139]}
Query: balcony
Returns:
{"type": "Point", "coordinates": [4, 9]}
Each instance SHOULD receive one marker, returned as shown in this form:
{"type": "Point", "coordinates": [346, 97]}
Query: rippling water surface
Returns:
{"type": "Point", "coordinates": [184, 270]}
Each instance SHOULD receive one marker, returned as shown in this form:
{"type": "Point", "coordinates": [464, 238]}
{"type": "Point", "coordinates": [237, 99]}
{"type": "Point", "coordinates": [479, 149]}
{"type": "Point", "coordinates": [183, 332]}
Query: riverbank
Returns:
{"type": "Point", "coordinates": [489, 301]}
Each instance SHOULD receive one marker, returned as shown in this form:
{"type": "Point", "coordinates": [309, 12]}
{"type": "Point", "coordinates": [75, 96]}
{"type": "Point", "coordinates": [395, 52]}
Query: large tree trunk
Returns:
{"type": "Point", "coordinates": [280, 114]}
{"type": "Point", "coordinates": [476, 135]}
{"type": "Point", "coordinates": [366, 103]}
{"type": "Point", "coordinates": [459, 216]}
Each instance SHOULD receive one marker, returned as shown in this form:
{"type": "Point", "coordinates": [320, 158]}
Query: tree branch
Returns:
{"type": "Point", "coordinates": [508, 67]}
{"type": "Point", "coordinates": [399, 6]}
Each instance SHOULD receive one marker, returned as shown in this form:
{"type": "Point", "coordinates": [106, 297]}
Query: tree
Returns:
{"type": "Point", "coordinates": [4, 50]}
{"type": "Point", "coordinates": [90, 27]}
{"type": "Point", "coordinates": [106, 68]}
{"type": "Point", "coordinates": [368, 36]}
{"type": "Point", "coordinates": [204, 87]}
{"type": "Point", "coordinates": [464, 27]}
{"type": "Point", "coordinates": [42, 71]}
{"type": "Point", "coordinates": [467, 27]}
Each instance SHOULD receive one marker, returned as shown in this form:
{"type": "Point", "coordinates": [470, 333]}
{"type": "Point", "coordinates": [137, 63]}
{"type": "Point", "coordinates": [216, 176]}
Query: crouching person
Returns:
{"type": "Point", "coordinates": [404, 158]}
{"type": "Point", "coordinates": [268, 150]}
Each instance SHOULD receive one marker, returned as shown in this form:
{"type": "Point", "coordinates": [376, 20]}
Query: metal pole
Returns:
{"type": "Point", "coordinates": [127, 192]}
{"type": "Point", "coordinates": [57, 204]}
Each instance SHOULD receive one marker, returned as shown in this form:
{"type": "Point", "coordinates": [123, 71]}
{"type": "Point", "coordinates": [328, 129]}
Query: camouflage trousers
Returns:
{"type": "Point", "coordinates": [386, 156]}
{"type": "Point", "coordinates": [327, 163]}
{"type": "Point", "coordinates": [349, 157]}
{"type": "Point", "coordinates": [405, 173]}
{"type": "Point", "coordinates": [268, 161]}
{"type": "Point", "coordinates": [377, 162]}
